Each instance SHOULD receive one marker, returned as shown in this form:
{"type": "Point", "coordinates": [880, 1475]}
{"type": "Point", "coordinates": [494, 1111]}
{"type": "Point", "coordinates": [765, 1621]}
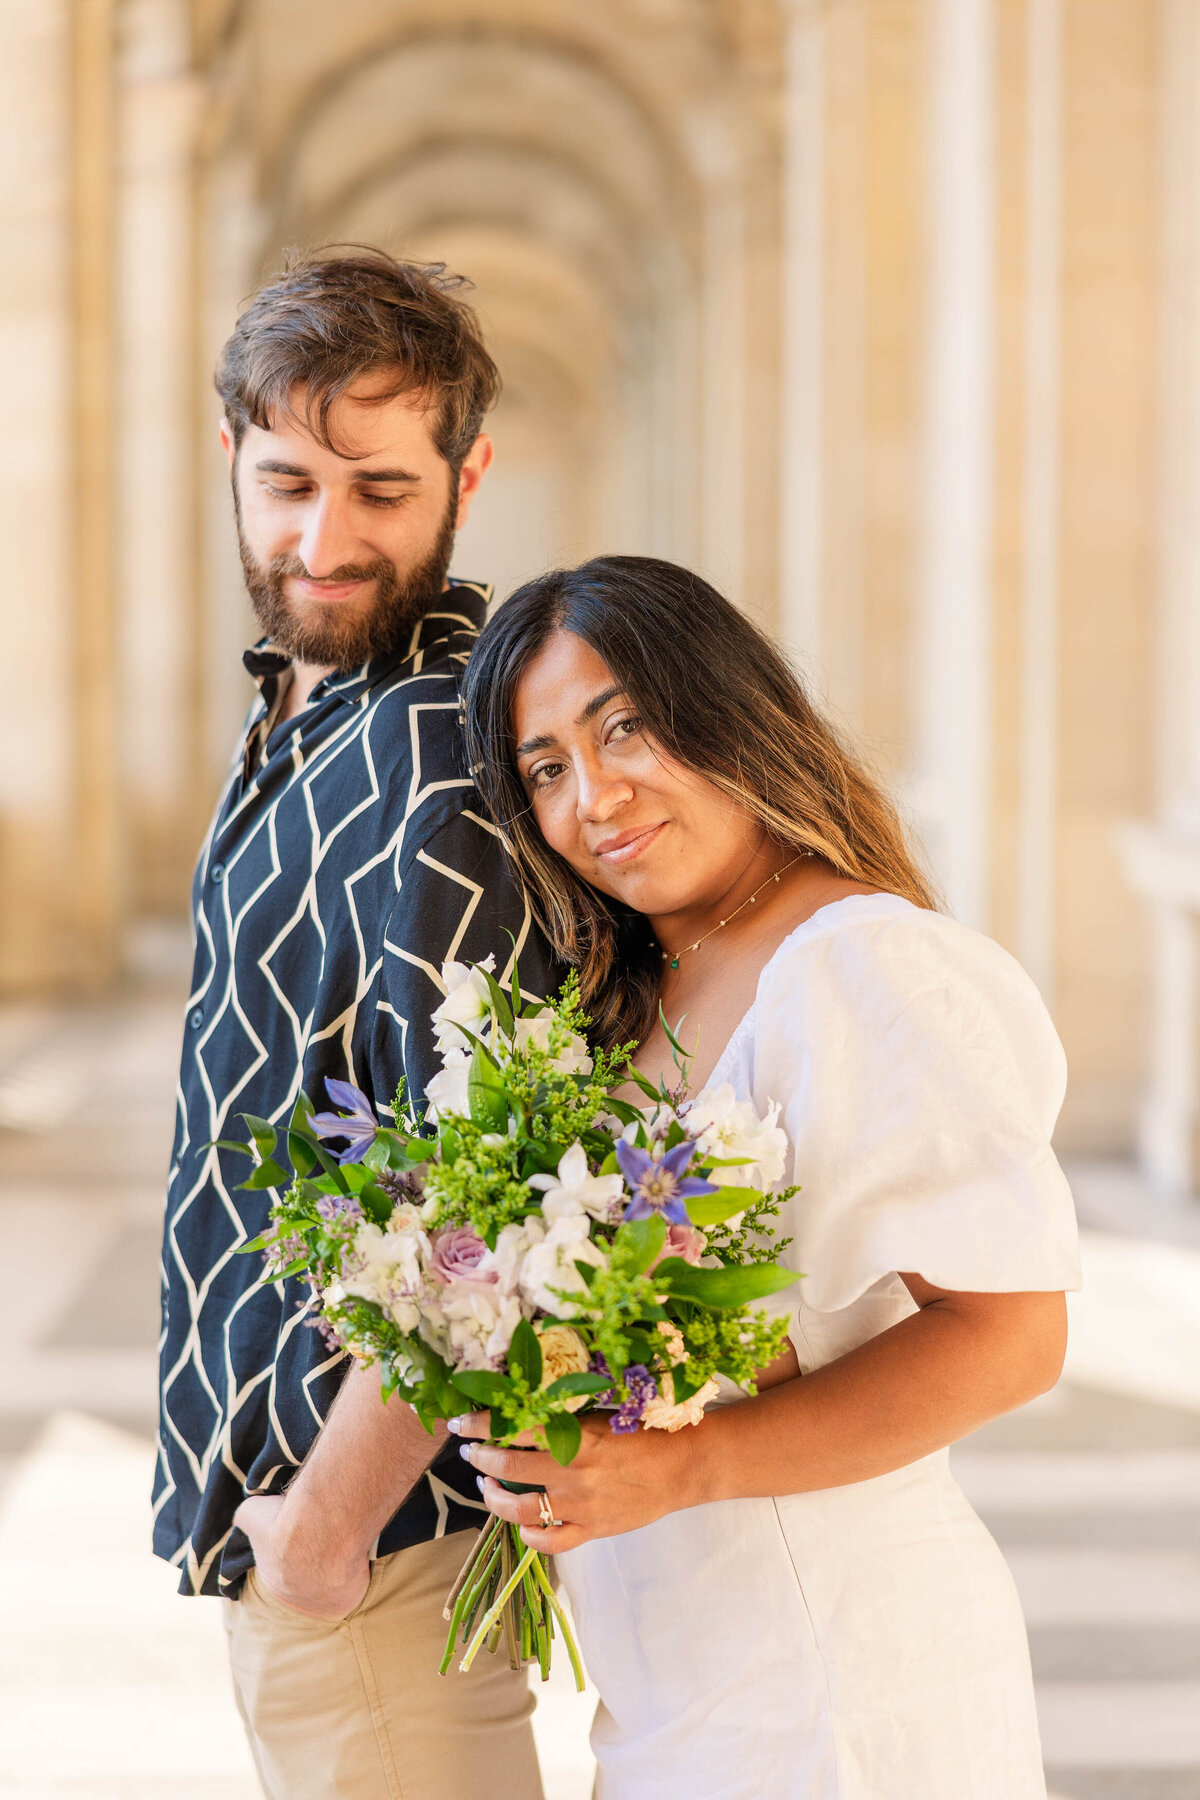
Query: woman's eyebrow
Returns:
{"type": "Point", "coordinates": [593, 706]}
{"type": "Point", "coordinates": [589, 712]}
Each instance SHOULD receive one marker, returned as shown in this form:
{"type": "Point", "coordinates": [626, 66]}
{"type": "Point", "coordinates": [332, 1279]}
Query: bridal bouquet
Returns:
{"type": "Point", "coordinates": [536, 1246]}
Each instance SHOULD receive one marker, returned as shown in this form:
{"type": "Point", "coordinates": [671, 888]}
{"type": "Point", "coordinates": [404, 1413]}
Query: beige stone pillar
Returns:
{"type": "Point", "coordinates": [951, 787]}
{"type": "Point", "coordinates": [1162, 858]}
{"type": "Point", "coordinates": [59, 858]}
{"type": "Point", "coordinates": [1037, 823]}
{"type": "Point", "coordinates": [801, 383]}
{"type": "Point", "coordinates": [161, 613]}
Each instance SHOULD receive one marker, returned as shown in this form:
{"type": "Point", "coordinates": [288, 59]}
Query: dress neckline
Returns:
{"type": "Point", "coordinates": [732, 1041]}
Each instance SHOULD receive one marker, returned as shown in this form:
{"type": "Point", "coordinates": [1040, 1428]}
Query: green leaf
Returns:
{"type": "Point", "coordinates": [563, 1437]}
{"type": "Point", "coordinates": [500, 1003]}
{"type": "Point", "coordinates": [525, 1353]}
{"type": "Point", "coordinates": [267, 1175]}
{"type": "Point", "coordinates": [377, 1203]}
{"type": "Point", "coordinates": [481, 1387]}
{"type": "Point", "coordinates": [714, 1209]}
{"type": "Point", "coordinates": [684, 1383]}
{"type": "Point", "coordinates": [643, 1082]}
{"type": "Point", "coordinates": [588, 1271]}
{"type": "Point", "coordinates": [485, 1091]}
{"type": "Point", "coordinates": [263, 1132]}
{"type": "Point", "coordinates": [639, 1242]}
{"type": "Point", "coordinates": [331, 1168]}
{"type": "Point", "coordinates": [258, 1243]}
{"type": "Point", "coordinates": [228, 1144]}
{"type": "Point", "coordinates": [376, 1157]}
{"type": "Point", "coordinates": [300, 1153]}
{"type": "Point", "coordinates": [721, 1288]}
{"type": "Point", "coordinates": [610, 1165]}
{"type": "Point", "coordinates": [624, 1110]}
{"type": "Point", "coordinates": [568, 1386]}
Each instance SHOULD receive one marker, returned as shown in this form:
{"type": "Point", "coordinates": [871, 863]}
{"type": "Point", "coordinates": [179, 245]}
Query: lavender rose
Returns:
{"type": "Point", "coordinates": [460, 1254]}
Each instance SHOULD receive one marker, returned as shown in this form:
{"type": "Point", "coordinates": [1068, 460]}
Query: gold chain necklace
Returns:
{"type": "Point", "coordinates": [673, 961]}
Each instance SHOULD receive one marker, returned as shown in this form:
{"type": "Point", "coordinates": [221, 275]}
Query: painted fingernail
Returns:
{"type": "Point", "coordinates": [466, 1451]}
{"type": "Point", "coordinates": [454, 1425]}
{"type": "Point", "coordinates": [479, 1481]}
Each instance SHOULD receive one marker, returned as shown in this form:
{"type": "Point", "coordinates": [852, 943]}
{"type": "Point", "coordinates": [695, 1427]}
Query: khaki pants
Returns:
{"type": "Point", "coordinates": [356, 1710]}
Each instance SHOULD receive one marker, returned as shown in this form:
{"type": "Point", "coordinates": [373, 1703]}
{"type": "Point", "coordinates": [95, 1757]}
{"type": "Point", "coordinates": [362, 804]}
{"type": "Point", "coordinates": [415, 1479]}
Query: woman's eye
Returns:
{"type": "Point", "coordinates": [544, 774]}
{"type": "Point", "coordinates": [627, 728]}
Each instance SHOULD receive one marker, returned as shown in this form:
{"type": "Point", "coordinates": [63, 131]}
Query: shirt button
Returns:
{"type": "Point", "coordinates": [217, 872]}
{"type": "Point", "coordinates": [196, 1018]}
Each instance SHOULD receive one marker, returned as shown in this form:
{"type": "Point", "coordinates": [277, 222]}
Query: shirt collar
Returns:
{"type": "Point", "coordinates": [462, 607]}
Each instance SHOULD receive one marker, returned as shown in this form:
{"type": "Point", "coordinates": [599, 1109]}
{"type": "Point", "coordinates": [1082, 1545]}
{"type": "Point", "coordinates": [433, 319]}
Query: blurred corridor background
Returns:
{"type": "Point", "coordinates": [885, 315]}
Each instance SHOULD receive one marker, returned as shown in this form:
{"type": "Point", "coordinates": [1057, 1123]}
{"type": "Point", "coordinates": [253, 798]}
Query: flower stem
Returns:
{"type": "Point", "coordinates": [543, 1580]}
{"type": "Point", "coordinates": [491, 1617]}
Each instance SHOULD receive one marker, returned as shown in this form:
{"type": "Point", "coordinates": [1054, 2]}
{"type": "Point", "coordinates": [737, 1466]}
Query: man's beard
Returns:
{"type": "Point", "coordinates": [336, 634]}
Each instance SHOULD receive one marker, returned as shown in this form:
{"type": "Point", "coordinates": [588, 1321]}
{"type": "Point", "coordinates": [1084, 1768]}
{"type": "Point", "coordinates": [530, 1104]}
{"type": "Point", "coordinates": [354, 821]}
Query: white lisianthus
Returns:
{"type": "Point", "coordinates": [723, 1125]}
{"type": "Point", "coordinates": [468, 1002]}
{"type": "Point", "coordinates": [480, 1323]}
{"type": "Point", "coordinates": [388, 1267]}
{"type": "Point", "coordinates": [446, 1092]}
{"type": "Point", "coordinates": [665, 1413]}
{"type": "Point", "coordinates": [571, 1059]}
{"type": "Point", "coordinates": [549, 1263]}
{"type": "Point", "coordinates": [574, 1190]}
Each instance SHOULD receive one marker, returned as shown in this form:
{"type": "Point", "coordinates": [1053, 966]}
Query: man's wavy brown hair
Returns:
{"type": "Point", "coordinates": [337, 315]}
{"type": "Point", "coordinates": [713, 692]}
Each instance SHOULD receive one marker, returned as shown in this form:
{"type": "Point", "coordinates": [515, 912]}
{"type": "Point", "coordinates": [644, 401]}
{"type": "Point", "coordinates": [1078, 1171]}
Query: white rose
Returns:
{"type": "Point", "coordinates": [388, 1268]}
{"type": "Point", "coordinates": [572, 1059]}
{"type": "Point", "coordinates": [446, 1092]}
{"type": "Point", "coordinates": [512, 1246]}
{"type": "Point", "coordinates": [724, 1126]}
{"type": "Point", "coordinates": [574, 1190]}
{"type": "Point", "coordinates": [468, 1002]}
{"type": "Point", "coordinates": [563, 1353]}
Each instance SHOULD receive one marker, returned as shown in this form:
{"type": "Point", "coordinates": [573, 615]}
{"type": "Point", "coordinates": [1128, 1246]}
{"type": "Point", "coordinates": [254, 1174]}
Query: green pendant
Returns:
{"type": "Point", "coordinates": [674, 962]}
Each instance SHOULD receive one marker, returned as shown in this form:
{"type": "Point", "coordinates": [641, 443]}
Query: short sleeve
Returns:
{"type": "Point", "coordinates": [920, 1078]}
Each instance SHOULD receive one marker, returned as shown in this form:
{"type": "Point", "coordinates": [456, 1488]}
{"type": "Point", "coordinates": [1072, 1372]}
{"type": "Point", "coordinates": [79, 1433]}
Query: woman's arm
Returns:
{"type": "Point", "coordinates": [957, 1362]}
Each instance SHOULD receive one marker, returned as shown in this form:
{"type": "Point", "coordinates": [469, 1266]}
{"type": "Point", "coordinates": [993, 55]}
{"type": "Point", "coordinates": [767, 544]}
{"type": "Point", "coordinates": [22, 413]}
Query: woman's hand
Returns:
{"type": "Point", "coordinates": [615, 1483]}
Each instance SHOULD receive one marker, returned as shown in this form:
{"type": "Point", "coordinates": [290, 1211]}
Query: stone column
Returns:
{"type": "Point", "coordinates": [803, 331]}
{"type": "Point", "coordinates": [1162, 858]}
{"type": "Point", "coordinates": [161, 650]}
{"type": "Point", "coordinates": [1038, 821]}
{"type": "Point", "coordinates": [951, 788]}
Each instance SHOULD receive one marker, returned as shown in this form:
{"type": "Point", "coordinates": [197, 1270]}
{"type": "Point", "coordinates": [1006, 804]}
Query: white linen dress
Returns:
{"type": "Point", "coordinates": [861, 1642]}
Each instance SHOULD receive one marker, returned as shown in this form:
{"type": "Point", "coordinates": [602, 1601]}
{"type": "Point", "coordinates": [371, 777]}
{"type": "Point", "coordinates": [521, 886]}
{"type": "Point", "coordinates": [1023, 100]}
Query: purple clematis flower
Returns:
{"type": "Point", "coordinates": [660, 1186]}
{"type": "Point", "coordinates": [359, 1124]}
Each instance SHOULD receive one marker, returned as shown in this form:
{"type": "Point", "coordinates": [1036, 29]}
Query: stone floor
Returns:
{"type": "Point", "coordinates": [114, 1687]}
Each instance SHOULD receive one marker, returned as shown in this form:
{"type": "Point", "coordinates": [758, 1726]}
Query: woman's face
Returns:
{"type": "Point", "coordinates": [626, 817]}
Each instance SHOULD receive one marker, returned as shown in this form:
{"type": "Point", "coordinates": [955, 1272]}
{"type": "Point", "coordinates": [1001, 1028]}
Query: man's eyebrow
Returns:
{"type": "Point", "coordinates": [589, 712]}
{"type": "Point", "coordinates": [269, 467]}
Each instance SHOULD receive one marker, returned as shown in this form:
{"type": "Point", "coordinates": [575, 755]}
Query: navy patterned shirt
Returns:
{"type": "Point", "coordinates": [347, 860]}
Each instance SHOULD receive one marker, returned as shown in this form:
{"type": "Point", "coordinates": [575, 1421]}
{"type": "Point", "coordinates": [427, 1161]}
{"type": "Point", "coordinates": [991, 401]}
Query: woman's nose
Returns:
{"type": "Point", "coordinates": [599, 795]}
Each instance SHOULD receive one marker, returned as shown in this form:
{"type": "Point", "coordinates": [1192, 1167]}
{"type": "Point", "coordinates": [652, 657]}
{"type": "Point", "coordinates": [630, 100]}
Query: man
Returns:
{"type": "Point", "coordinates": [346, 861]}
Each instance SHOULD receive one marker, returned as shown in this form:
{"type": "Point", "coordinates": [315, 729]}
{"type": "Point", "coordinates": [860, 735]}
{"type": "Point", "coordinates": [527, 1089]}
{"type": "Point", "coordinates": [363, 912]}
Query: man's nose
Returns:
{"type": "Point", "coordinates": [327, 541]}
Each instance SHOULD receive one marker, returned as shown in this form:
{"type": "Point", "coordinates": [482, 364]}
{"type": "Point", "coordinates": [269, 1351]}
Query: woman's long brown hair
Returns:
{"type": "Point", "coordinates": [713, 692]}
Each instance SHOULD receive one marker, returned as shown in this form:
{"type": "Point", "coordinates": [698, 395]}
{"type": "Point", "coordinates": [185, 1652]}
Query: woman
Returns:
{"type": "Point", "coordinates": [791, 1600]}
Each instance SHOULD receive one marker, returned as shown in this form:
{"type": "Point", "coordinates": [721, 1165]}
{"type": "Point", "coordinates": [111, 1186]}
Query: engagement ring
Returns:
{"type": "Point", "coordinates": [546, 1516]}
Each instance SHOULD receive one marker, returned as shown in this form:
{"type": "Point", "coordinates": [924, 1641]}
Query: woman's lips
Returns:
{"type": "Point", "coordinates": [629, 844]}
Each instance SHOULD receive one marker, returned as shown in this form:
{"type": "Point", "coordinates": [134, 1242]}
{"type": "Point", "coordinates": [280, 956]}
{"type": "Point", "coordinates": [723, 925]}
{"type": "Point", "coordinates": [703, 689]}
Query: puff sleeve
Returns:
{"type": "Point", "coordinates": [920, 1078]}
